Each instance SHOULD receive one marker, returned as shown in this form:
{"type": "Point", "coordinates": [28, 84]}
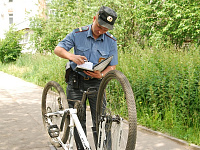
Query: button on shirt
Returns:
{"type": "Point", "coordinates": [85, 45]}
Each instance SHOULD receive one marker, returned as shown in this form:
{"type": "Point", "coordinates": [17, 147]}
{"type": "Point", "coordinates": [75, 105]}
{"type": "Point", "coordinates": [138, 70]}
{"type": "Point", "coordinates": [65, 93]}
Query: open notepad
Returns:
{"type": "Point", "coordinates": [88, 66]}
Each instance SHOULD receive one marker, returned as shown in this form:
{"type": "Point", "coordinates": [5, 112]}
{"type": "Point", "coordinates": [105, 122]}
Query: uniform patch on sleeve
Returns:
{"type": "Point", "coordinates": [111, 36]}
{"type": "Point", "coordinates": [81, 29]}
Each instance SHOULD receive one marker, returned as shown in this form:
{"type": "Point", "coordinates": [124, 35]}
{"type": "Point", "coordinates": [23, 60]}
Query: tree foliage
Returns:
{"type": "Point", "coordinates": [62, 16]}
{"type": "Point", "coordinates": [178, 20]}
{"type": "Point", "coordinates": [145, 20]}
{"type": "Point", "coordinates": [10, 49]}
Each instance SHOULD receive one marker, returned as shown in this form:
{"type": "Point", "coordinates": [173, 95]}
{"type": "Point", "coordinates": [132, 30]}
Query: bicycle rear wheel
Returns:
{"type": "Point", "coordinates": [115, 98]}
{"type": "Point", "coordinates": [53, 100]}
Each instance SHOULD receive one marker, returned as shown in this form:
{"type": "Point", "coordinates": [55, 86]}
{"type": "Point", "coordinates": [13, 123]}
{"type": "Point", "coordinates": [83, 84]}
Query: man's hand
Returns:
{"type": "Point", "coordinates": [78, 59]}
{"type": "Point", "coordinates": [96, 74]}
{"type": "Point", "coordinates": [61, 52]}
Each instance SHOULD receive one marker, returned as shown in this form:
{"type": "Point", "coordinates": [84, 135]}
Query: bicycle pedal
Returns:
{"type": "Point", "coordinates": [53, 131]}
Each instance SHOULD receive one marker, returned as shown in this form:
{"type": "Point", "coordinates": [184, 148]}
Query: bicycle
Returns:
{"type": "Point", "coordinates": [116, 118]}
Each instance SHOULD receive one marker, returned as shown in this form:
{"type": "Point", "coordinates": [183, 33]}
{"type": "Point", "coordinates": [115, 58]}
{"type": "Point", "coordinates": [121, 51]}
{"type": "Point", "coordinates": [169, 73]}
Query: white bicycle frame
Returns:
{"type": "Point", "coordinates": [74, 121]}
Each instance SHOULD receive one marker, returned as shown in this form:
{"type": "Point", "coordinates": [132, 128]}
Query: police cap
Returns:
{"type": "Point", "coordinates": [107, 17]}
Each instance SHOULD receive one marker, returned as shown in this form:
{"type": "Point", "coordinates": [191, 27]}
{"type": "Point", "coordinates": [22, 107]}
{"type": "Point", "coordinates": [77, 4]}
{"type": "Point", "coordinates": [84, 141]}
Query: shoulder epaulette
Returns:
{"type": "Point", "coordinates": [110, 36]}
{"type": "Point", "coordinates": [81, 29]}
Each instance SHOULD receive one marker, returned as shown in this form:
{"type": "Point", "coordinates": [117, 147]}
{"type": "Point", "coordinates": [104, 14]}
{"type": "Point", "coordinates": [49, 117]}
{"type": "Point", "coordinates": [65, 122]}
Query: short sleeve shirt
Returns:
{"type": "Point", "coordinates": [84, 44]}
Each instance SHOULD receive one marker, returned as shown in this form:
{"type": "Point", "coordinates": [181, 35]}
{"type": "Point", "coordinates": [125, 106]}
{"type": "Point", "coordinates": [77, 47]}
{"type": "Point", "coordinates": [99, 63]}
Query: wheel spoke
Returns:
{"type": "Point", "coordinates": [115, 100]}
{"type": "Point", "coordinates": [53, 100]}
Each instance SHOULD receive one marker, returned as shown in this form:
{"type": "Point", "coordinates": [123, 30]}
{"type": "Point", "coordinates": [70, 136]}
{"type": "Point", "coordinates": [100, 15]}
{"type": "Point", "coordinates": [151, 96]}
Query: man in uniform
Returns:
{"type": "Point", "coordinates": [91, 43]}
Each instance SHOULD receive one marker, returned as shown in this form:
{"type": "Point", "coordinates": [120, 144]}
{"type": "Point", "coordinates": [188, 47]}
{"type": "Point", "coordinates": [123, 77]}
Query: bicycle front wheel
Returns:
{"type": "Point", "coordinates": [53, 100]}
{"type": "Point", "coordinates": [115, 98]}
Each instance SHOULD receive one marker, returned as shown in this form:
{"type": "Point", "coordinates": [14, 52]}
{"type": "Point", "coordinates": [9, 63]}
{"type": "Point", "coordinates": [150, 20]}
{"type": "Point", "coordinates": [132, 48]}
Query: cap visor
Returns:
{"type": "Point", "coordinates": [104, 24]}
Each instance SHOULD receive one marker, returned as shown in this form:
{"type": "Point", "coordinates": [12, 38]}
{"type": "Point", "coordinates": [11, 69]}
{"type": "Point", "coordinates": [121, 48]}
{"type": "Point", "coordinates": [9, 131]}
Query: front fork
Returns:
{"type": "Point", "coordinates": [112, 136]}
{"type": "Point", "coordinates": [102, 133]}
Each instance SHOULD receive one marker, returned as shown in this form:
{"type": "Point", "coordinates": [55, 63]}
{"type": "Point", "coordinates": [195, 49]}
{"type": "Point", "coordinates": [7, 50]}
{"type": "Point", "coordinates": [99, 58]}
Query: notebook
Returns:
{"type": "Point", "coordinates": [88, 66]}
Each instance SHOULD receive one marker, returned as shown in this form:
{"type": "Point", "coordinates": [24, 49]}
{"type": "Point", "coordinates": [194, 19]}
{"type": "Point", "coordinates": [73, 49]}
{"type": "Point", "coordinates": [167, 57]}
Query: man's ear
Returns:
{"type": "Point", "coordinates": [94, 18]}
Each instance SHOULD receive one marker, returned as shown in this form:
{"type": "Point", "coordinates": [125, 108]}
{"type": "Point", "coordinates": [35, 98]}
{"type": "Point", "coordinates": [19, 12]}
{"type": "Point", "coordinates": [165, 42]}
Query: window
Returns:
{"type": "Point", "coordinates": [26, 37]}
{"type": "Point", "coordinates": [10, 0]}
{"type": "Point", "coordinates": [10, 18]}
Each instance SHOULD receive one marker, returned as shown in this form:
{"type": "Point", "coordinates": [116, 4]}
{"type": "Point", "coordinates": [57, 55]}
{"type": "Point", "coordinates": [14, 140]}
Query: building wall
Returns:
{"type": "Point", "coordinates": [17, 12]}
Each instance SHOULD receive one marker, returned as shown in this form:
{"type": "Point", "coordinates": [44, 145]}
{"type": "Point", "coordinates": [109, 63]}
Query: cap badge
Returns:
{"type": "Point", "coordinates": [109, 18]}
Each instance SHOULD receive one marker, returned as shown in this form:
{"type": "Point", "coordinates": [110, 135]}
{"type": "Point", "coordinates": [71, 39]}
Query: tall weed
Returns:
{"type": "Point", "coordinates": [166, 84]}
{"type": "Point", "coordinates": [38, 68]}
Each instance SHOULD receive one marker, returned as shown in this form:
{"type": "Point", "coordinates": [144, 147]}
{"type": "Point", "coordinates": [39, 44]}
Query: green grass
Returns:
{"type": "Point", "coordinates": [165, 81]}
{"type": "Point", "coordinates": [37, 68]}
{"type": "Point", "coordinates": [166, 84]}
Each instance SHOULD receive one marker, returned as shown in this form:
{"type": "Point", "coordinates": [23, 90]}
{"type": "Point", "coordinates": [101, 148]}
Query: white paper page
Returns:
{"type": "Point", "coordinates": [87, 65]}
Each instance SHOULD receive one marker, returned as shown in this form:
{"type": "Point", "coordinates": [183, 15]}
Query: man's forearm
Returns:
{"type": "Point", "coordinates": [61, 52]}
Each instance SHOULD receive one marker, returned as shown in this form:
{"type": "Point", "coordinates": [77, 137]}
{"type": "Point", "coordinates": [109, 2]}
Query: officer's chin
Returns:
{"type": "Point", "coordinates": [97, 34]}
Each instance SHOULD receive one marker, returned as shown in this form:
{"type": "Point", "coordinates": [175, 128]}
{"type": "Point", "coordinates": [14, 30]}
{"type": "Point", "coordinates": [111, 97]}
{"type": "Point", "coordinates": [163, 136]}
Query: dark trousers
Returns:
{"type": "Point", "coordinates": [75, 92]}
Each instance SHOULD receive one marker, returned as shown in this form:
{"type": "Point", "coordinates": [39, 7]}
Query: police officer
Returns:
{"type": "Point", "coordinates": [91, 43]}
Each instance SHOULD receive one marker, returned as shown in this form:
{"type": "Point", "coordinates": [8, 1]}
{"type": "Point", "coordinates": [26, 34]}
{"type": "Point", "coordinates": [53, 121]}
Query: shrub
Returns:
{"type": "Point", "coordinates": [10, 48]}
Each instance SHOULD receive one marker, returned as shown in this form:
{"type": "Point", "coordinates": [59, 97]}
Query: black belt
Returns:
{"type": "Point", "coordinates": [87, 78]}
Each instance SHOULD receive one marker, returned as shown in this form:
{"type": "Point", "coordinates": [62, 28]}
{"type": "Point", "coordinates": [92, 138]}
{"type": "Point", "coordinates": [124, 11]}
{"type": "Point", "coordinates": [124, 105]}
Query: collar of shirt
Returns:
{"type": "Point", "coordinates": [101, 37]}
